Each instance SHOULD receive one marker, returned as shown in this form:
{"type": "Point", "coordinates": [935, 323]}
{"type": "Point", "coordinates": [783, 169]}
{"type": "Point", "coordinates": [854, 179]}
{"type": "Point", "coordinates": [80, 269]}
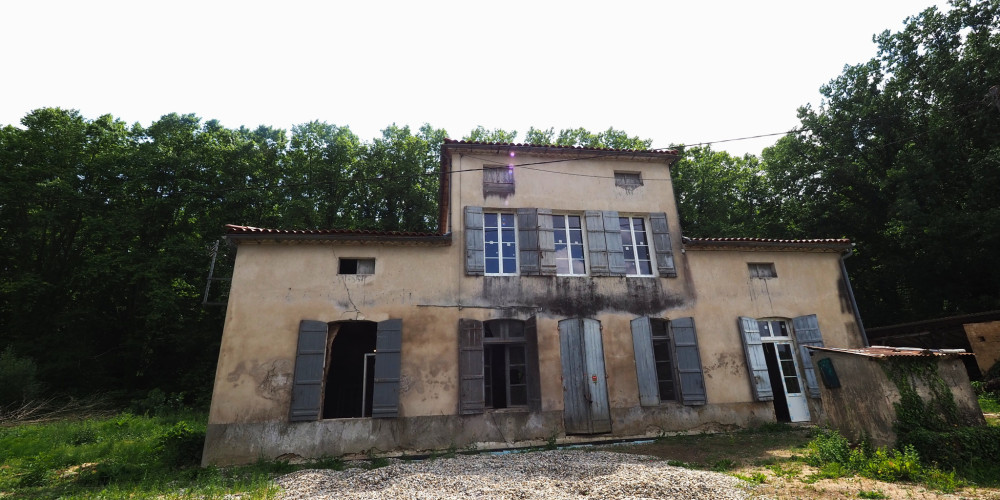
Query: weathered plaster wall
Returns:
{"type": "Point", "coordinates": [807, 283]}
{"type": "Point", "coordinates": [985, 341]}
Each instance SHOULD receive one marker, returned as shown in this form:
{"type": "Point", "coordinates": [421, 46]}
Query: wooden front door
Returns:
{"type": "Point", "coordinates": [585, 385]}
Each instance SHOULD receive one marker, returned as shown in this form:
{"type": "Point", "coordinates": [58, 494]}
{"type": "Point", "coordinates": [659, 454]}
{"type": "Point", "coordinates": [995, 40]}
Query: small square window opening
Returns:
{"type": "Point", "coordinates": [357, 266]}
{"type": "Point", "coordinates": [762, 270]}
{"type": "Point", "coordinates": [628, 180]}
{"type": "Point", "coordinates": [498, 180]}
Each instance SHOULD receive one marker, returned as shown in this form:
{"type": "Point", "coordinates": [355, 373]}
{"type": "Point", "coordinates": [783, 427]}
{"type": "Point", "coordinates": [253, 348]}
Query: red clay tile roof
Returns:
{"type": "Point", "coordinates": [552, 148]}
{"type": "Point", "coordinates": [255, 233]}
{"type": "Point", "coordinates": [879, 351]}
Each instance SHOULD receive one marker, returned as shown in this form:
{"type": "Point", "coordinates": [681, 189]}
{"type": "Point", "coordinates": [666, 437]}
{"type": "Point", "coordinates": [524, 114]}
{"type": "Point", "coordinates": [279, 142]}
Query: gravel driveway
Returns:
{"type": "Point", "coordinates": [559, 474]}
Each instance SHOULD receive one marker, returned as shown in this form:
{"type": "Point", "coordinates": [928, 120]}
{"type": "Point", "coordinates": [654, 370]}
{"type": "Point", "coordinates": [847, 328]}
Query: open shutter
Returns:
{"type": "Point", "coordinates": [475, 255]}
{"type": "Point", "coordinates": [546, 242]}
{"type": "Point", "coordinates": [807, 334]}
{"type": "Point", "coordinates": [613, 240]}
{"type": "Point", "coordinates": [597, 245]}
{"type": "Point", "coordinates": [307, 382]}
{"type": "Point", "coordinates": [645, 362]}
{"type": "Point", "coordinates": [661, 245]}
{"type": "Point", "coordinates": [684, 343]}
{"type": "Point", "coordinates": [388, 350]}
{"type": "Point", "coordinates": [527, 241]}
{"type": "Point", "coordinates": [756, 363]}
{"type": "Point", "coordinates": [534, 376]}
{"type": "Point", "coordinates": [470, 367]}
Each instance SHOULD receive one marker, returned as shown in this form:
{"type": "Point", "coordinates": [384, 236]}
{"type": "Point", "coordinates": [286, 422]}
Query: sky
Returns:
{"type": "Point", "coordinates": [674, 72]}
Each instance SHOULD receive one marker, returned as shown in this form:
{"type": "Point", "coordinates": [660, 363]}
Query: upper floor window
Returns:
{"type": "Point", "coordinates": [500, 238]}
{"type": "Point", "coordinates": [636, 246]}
{"type": "Point", "coordinates": [762, 270]}
{"type": "Point", "coordinates": [356, 266]}
{"type": "Point", "coordinates": [628, 180]}
{"type": "Point", "coordinates": [772, 328]}
{"type": "Point", "coordinates": [498, 180]}
{"type": "Point", "coordinates": [568, 233]}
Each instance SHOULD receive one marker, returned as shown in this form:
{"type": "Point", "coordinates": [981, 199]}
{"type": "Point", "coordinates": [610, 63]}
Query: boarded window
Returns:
{"type": "Point", "coordinates": [762, 270]}
{"type": "Point", "coordinates": [628, 180]}
{"type": "Point", "coordinates": [357, 266]}
{"type": "Point", "coordinates": [498, 180]}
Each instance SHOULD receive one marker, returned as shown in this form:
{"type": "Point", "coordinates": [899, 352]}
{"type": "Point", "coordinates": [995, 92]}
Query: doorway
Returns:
{"type": "Point", "coordinates": [585, 385]}
{"type": "Point", "coordinates": [350, 370]}
{"type": "Point", "coordinates": [790, 404]}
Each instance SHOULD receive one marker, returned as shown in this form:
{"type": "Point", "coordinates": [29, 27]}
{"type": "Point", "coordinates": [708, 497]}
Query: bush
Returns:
{"type": "Point", "coordinates": [18, 378]}
{"type": "Point", "coordinates": [181, 445]}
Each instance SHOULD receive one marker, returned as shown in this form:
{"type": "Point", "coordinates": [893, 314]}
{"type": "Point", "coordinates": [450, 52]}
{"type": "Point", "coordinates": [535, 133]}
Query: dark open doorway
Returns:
{"type": "Point", "coordinates": [777, 386]}
{"type": "Point", "coordinates": [348, 389]}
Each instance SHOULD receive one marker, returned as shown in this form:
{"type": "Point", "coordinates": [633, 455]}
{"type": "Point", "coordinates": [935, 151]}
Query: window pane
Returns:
{"type": "Point", "coordinates": [561, 252]}
{"type": "Point", "coordinates": [560, 236]}
{"type": "Point", "coordinates": [643, 252]}
{"type": "Point", "coordinates": [626, 238]}
{"type": "Point", "coordinates": [507, 220]}
{"type": "Point", "coordinates": [509, 266]}
{"type": "Point", "coordinates": [623, 223]}
{"type": "Point", "coordinates": [792, 385]}
{"type": "Point", "coordinates": [507, 235]}
{"type": "Point", "coordinates": [516, 354]}
{"type": "Point", "coordinates": [509, 250]}
{"type": "Point", "coordinates": [576, 236]}
{"type": "Point", "coordinates": [558, 222]}
{"type": "Point", "coordinates": [579, 267]}
{"type": "Point", "coordinates": [492, 266]}
{"type": "Point", "coordinates": [492, 250]}
{"type": "Point", "coordinates": [783, 328]}
{"type": "Point", "coordinates": [518, 395]}
{"type": "Point", "coordinates": [640, 238]}
{"type": "Point", "coordinates": [574, 221]}
{"type": "Point", "coordinates": [630, 267]}
{"type": "Point", "coordinates": [638, 225]}
{"type": "Point", "coordinates": [490, 219]}
{"type": "Point", "coordinates": [645, 268]}
{"type": "Point", "coordinates": [491, 235]}
{"type": "Point", "coordinates": [576, 251]}
{"type": "Point", "coordinates": [765, 328]}
{"type": "Point", "coordinates": [562, 266]}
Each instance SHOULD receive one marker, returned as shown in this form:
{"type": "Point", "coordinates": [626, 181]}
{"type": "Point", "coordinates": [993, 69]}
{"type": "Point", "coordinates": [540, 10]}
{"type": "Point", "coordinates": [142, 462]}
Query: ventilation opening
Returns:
{"type": "Point", "coordinates": [357, 266]}
{"type": "Point", "coordinates": [350, 371]}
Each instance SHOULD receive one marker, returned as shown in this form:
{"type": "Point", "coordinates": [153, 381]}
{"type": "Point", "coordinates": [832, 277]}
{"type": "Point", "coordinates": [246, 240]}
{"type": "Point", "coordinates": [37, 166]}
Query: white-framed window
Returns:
{"type": "Point", "coordinates": [773, 328]}
{"type": "Point", "coordinates": [568, 233]}
{"type": "Point", "coordinates": [500, 242]}
{"type": "Point", "coordinates": [635, 244]}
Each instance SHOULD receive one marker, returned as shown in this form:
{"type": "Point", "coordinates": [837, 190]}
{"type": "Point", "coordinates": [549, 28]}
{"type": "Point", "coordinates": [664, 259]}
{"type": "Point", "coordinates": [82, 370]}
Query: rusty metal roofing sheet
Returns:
{"type": "Point", "coordinates": [879, 351]}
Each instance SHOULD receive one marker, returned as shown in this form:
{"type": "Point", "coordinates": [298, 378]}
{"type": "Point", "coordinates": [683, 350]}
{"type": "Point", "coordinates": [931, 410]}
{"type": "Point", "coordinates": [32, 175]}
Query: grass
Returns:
{"type": "Point", "coordinates": [126, 456]}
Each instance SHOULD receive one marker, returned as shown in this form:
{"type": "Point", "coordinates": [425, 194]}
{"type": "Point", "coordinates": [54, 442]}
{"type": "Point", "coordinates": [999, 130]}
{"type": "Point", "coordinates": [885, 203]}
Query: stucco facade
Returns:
{"type": "Point", "coordinates": [654, 333]}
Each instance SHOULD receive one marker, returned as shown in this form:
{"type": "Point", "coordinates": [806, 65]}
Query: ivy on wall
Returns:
{"type": "Point", "coordinates": [912, 412]}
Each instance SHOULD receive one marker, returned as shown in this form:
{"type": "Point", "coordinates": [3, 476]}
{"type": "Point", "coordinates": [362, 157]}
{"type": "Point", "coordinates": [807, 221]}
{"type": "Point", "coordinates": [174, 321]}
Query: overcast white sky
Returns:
{"type": "Point", "coordinates": [675, 72]}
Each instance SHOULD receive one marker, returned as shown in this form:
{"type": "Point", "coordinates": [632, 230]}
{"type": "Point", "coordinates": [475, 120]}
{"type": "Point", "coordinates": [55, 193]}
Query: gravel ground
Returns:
{"type": "Point", "coordinates": [559, 474]}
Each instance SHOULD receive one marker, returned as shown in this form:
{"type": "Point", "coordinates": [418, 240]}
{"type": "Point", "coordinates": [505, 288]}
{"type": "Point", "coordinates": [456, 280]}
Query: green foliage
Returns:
{"type": "Point", "coordinates": [912, 413]}
{"type": "Point", "coordinates": [723, 464]}
{"type": "Point", "coordinates": [18, 378]}
{"type": "Point", "coordinates": [754, 478]}
{"type": "Point", "coordinates": [181, 445]}
{"type": "Point", "coordinates": [872, 494]}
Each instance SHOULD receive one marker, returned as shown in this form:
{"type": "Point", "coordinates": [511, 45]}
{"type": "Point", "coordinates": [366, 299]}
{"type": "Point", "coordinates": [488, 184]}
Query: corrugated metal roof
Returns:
{"type": "Point", "coordinates": [881, 351]}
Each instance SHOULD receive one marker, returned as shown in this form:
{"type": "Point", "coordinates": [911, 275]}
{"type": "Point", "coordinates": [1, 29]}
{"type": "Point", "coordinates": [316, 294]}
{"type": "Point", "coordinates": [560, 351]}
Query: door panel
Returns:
{"type": "Point", "coordinates": [585, 389]}
{"type": "Point", "coordinates": [600, 412]}
{"type": "Point", "coordinates": [798, 407]}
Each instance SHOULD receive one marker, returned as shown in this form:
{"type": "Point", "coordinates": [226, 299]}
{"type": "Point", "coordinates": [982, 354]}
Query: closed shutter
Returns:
{"type": "Point", "coordinates": [645, 362]}
{"type": "Point", "coordinates": [534, 376]}
{"type": "Point", "coordinates": [527, 241]}
{"type": "Point", "coordinates": [807, 334]}
{"type": "Point", "coordinates": [597, 246]}
{"type": "Point", "coordinates": [684, 343]}
{"type": "Point", "coordinates": [661, 245]}
{"type": "Point", "coordinates": [307, 382]}
{"type": "Point", "coordinates": [756, 363]}
{"type": "Point", "coordinates": [475, 255]}
{"type": "Point", "coordinates": [613, 239]}
{"type": "Point", "coordinates": [593, 354]}
{"type": "Point", "coordinates": [388, 350]}
{"type": "Point", "coordinates": [470, 367]}
{"type": "Point", "coordinates": [546, 242]}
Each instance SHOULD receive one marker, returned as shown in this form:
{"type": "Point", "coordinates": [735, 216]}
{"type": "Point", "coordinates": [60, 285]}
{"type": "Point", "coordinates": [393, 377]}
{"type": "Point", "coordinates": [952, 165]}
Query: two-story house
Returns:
{"type": "Point", "coordinates": [557, 299]}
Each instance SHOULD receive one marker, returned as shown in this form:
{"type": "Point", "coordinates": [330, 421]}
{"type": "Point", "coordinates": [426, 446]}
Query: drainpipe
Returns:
{"type": "Point", "coordinates": [850, 292]}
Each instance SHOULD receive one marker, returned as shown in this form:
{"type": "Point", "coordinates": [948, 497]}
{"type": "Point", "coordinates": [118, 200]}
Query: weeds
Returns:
{"type": "Point", "coordinates": [755, 478]}
{"type": "Point", "coordinates": [872, 494]}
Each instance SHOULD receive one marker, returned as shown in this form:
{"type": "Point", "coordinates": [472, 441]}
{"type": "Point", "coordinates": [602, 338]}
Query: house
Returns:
{"type": "Point", "coordinates": [860, 388]}
{"type": "Point", "coordinates": [558, 300]}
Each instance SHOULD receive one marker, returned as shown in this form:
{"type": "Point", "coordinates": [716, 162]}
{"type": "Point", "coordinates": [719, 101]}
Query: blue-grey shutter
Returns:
{"type": "Point", "coordinates": [576, 393]}
{"type": "Point", "coordinates": [684, 343]}
{"type": "Point", "coordinates": [756, 363]}
{"type": "Point", "coordinates": [534, 375]}
{"type": "Point", "coordinates": [307, 381]}
{"type": "Point", "coordinates": [472, 398]}
{"type": "Point", "coordinates": [597, 246]}
{"type": "Point", "coordinates": [546, 242]}
{"type": "Point", "coordinates": [807, 334]}
{"type": "Point", "coordinates": [613, 240]}
{"type": "Point", "coordinates": [388, 351]}
{"type": "Point", "coordinates": [475, 255]}
{"type": "Point", "coordinates": [527, 241]}
{"type": "Point", "coordinates": [660, 232]}
{"type": "Point", "coordinates": [593, 353]}
{"type": "Point", "coordinates": [645, 362]}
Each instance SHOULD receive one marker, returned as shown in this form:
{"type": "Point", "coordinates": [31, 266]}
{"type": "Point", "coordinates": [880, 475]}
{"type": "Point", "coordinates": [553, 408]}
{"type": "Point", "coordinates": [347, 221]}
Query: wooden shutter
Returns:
{"type": "Point", "coordinates": [645, 362]}
{"type": "Point", "coordinates": [807, 334]}
{"type": "Point", "coordinates": [660, 233]}
{"type": "Point", "coordinates": [613, 240]}
{"type": "Point", "coordinates": [527, 241]}
{"type": "Point", "coordinates": [546, 242]}
{"type": "Point", "coordinates": [576, 394]}
{"type": "Point", "coordinates": [307, 382]}
{"type": "Point", "coordinates": [388, 350]}
{"type": "Point", "coordinates": [597, 245]}
{"type": "Point", "coordinates": [593, 354]}
{"type": "Point", "coordinates": [756, 363]}
{"type": "Point", "coordinates": [472, 398]}
{"type": "Point", "coordinates": [684, 345]}
{"type": "Point", "coordinates": [534, 375]}
{"type": "Point", "coordinates": [475, 255]}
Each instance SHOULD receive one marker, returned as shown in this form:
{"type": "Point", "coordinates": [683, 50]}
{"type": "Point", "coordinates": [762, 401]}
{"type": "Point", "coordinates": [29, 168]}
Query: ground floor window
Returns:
{"type": "Point", "coordinates": [498, 365]}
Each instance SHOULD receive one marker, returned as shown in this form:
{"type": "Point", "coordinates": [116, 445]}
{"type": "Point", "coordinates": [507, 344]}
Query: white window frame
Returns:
{"type": "Point", "coordinates": [500, 243]}
{"type": "Point", "coordinates": [635, 253]}
{"type": "Point", "coordinates": [583, 242]}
